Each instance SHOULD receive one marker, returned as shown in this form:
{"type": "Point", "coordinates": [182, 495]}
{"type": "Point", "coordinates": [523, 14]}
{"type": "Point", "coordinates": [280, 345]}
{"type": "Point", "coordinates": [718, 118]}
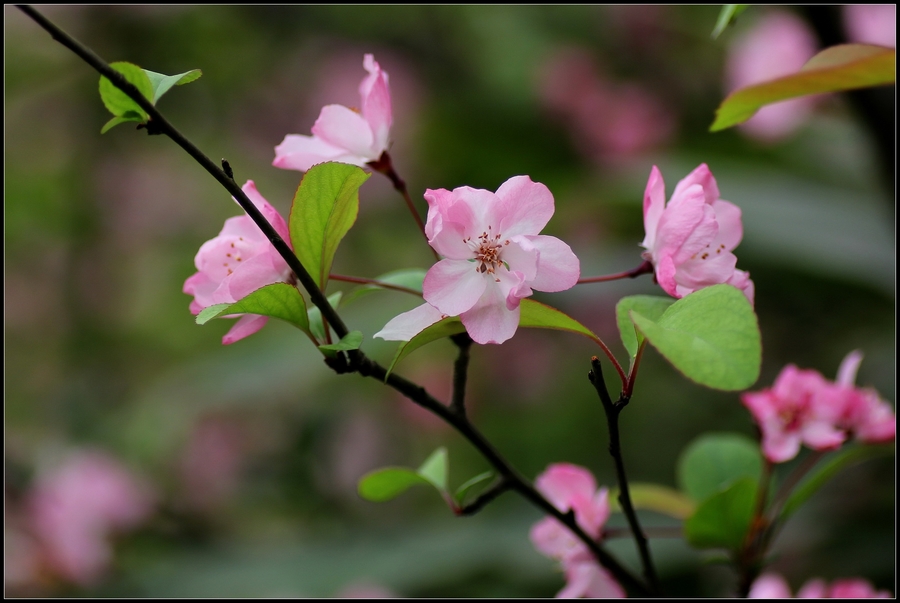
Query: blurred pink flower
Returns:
{"type": "Point", "coordinates": [773, 586]}
{"type": "Point", "coordinates": [802, 407]}
{"type": "Point", "coordinates": [871, 23]}
{"type": "Point", "coordinates": [237, 262]}
{"type": "Point", "coordinates": [366, 590]}
{"type": "Point", "coordinates": [76, 508]}
{"type": "Point", "coordinates": [494, 257]}
{"type": "Point", "coordinates": [778, 44]}
{"type": "Point", "coordinates": [690, 240]}
{"type": "Point", "coordinates": [342, 134]}
{"type": "Point", "coordinates": [211, 463]}
{"type": "Point", "coordinates": [609, 120]}
{"type": "Point", "coordinates": [570, 487]}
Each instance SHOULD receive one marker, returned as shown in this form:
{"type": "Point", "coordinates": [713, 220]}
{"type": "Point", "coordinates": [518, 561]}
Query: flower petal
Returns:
{"type": "Point", "coordinates": [558, 267]}
{"type": "Point", "coordinates": [561, 483]}
{"type": "Point", "coordinates": [731, 229]}
{"type": "Point", "coordinates": [347, 129]}
{"type": "Point", "coordinates": [404, 327]}
{"type": "Point", "coordinates": [376, 103]}
{"type": "Point", "coordinates": [299, 152]}
{"type": "Point", "coordinates": [252, 274]}
{"type": "Point", "coordinates": [702, 176]}
{"type": "Point", "coordinates": [526, 207]}
{"type": "Point", "coordinates": [654, 204]}
{"type": "Point", "coordinates": [490, 320]}
{"type": "Point", "coordinates": [454, 286]}
{"type": "Point", "coordinates": [246, 326]}
{"type": "Point", "coordinates": [679, 221]}
{"type": "Point", "coordinates": [269, 213]}
{"type": "Point", "coordinates": [849, 365]}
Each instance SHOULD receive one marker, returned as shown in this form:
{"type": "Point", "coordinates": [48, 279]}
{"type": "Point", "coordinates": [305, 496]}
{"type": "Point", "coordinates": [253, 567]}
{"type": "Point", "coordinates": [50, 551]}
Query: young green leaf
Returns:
{"type": "Point", "coordinates": [821, 475]}
{"type": "Point", "coordinates": [460, 494]}
{"type": "Point", "coordinates": [435, 469]}
{"type": "Point", "coordinates": [722, 520]}
{"type": "Point", "coordinates": [649, 306]}
{"type": "Point", "coordinates": [278, 300]}
{"type": "Point", "coordinates": [316, 326]}
{"type": "Point", "coordinates": [443, 328]}
{"type": "Point", "coordinates": [727, 16]}
{"type": "Point", "coordinates": [712, 462]}
{"type": "Point", "coordinates": [120, 104]}
{"type": "Point", "coordinates": [384, 484]}
{"type": "Point", "coordinates": [324, 209]}
{"type": "Point", "coordinates": [835, 69]}
{"type": "Point", "coordinates": [653, 497]}
{"type": "Point", "coordinates": [711, 336]}
{"type": "Point", "coordinates": [410, 278]}
{"type": "Point", "coordinates": [162, 83]}
{"type": "Point", "coordinates": [350, 341]}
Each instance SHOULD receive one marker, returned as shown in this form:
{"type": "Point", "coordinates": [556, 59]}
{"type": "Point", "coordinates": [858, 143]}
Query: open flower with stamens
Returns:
{"type": "Point", "coordinates": [690, 240]}
{"type": "Point", "coordinates": [343, 134]}
{"type": "Point", "coordinates": [493, 258]}
{"type": "Point", "coordinates": [237, 262]}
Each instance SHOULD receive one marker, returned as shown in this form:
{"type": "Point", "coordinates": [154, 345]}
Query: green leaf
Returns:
{"type": "Point", "coordinates": [278, 300]}
{"type": "Point", "coordinates": [649, 306]}
{"type": "Point", "coordinates": [316, 326]}
{"type": "Point", "coordinates": [461, 492]}
{"type": "Point", "coordinates": [653, 497]}
{"type": "Point", "coordinates": [712, 462]}
{"type": "Point", "coordinates": [350, 341]}
{"type": "Point", "coordinates": [442, 328]}
{"type": "Point", "coordinates": [115, 121]}
{"type": "Point", "coordinates": [162, 83]}
{"type": "Point", "coordinates": [384, 484]}
{"type": "Point", "coordinates": [435, 469]}
{"type": "Point", "coordinates": [535, 315]}
{"type": "Point", "coordinates": [821, 475]}
{"type": "Point", "coordinates": [119, 103]}
{"type": "Point", "coordinates": [727, 16]}
{"type": "Point", "coordinates": [722, 520]}
{"type": "Point", "coordinates": [711, 336]}
{"type": "Point", "coordinates": [835, 69]}
{"type": "Point", "coordinates": [324, 209]}
{"type": "Point", "coordinates": [411, 278]}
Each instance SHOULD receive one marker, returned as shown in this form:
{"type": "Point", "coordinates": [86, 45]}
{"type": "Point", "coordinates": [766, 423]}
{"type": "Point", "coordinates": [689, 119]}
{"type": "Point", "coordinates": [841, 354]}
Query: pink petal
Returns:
{"type": "Point", "coordinates": [490, 321]}
{"type": "Point", "coordinates": [780, 447]}
{"type": "Point", "coordinates": [700, 239]}
{"type": "Point", "coordinates": [553, 539]}
{"type": "Point", "coordinates": [741, 280]}
{"type": "Point", "coordinates": [561, 483]}
{"type": "Point", "coordinates": [849, 365]}
{"type": "Point", "coordinates": [703, 272]}
{"type": "Point", "coordinates": [821, 435]}
{"type": "Point", "coordinates": [702, 176]}
{"type": "Point", "coordinates": [589, 580]}
{"type": "Point", "coordinates": [558, 267]}
{"type": "Point", "coordinates": [439, 200]}
{"type": "Point", "coordinates": [345, 128]}
{"type": "Point", "coordinates": [679, 221]}
{"type": "Point", "coordinates": [731, 229]}
{"type": "Point", "coordinates": [665, 276]}
{"type": "Point", "coordinates": [654, 204]}
{"type": "Point", "coordinates": [770, 586]}
{"type": "Point", "coordinates": [201, 287]}
{"type": "Point", "coordinates": [300, 153]}
{"type": "Point", "coordinates": [409, 324]}
{"type": "Point", "coordinates": [252, 274]}
{"type": "Point", "coordinates": [247, 325]}
{"type": "Point", "coordinates": [454, 286]}
{"type": "Point", "coordinates": [243, 228]}
{"type": "Point", "coordinates": [270, 213]}
{"type": "Point", "coordinates": [521, 256]}
{"type": "Point", "coordinates": [525, 208]}
{"type": "Point", "coordinates": [376, 103]}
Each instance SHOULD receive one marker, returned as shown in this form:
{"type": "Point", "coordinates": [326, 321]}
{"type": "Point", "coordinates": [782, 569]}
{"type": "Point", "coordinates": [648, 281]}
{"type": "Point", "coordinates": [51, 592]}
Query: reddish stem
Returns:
{"type": "Point", "coordinates": [371, 281]}
{"type": "Point", "coordinates": [645, 268]}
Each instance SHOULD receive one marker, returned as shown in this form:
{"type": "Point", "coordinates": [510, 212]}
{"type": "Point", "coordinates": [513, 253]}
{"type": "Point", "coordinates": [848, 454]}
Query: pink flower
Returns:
{"type": "Point", "coordinates": [778, 44]}
{"type": "Point", "coordinates": [690, 240]}
{"type": "Point", "coordinates": [494, 257]}
{"type": "Point", "coordinates": [803, 407]}
{"type": "Point", "coordinates": [864, 413]}
{"type": "Point", "coordinates": [797, 409]}
{"type": "Point", "coordinates": [871, 23]}
{"type": "Point", "coordinates": [342, 134]}
{"type": "Point", "coordinates": [76, 508]}
{"type": "Point", "coordinates": [773, 586]}
{"type": "Point", "coordinates": [570, 487]}
{"type": "Point", "coordinates": [237, 262]}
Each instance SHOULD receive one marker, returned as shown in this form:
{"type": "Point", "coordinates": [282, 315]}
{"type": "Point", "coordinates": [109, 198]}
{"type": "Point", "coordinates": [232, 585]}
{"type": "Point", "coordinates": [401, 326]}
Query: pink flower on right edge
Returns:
{"type": "Point", "coordinates": [690, 240]}
{"type": "Point", "coordinates": [802, 407]}
{"type": "Point", "coordinates": [773, 586]}
{"type": "Point", "coordinates": [572, 487]}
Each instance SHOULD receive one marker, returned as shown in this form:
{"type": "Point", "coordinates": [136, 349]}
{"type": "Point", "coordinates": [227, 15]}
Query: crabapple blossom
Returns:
{"type": "Point", "coordinates": [355, 136]}
{"type": "Point", "coordinates": [690, 240]}
{"type": "Point", "coordinates": [864, 413]}
{"type": "Point", "coordinates": [237, 262]}
{"type": "Point", "coordinates": [570, 487]}
{"type": "Point", "coordinates": [773, 586]}
{"type": "Point", "coordinates": [493, 258]}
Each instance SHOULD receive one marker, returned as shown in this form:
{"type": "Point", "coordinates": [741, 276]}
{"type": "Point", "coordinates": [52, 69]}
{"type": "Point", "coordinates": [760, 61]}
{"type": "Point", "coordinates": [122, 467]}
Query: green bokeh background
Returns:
{"type": "Point", "coordinates": [101, 231]}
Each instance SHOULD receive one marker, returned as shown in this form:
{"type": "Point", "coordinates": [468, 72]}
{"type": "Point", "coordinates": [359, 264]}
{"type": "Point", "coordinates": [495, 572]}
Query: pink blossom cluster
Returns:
{"type": "Point", "coordinates": [75, 509]}
{"type": "Point", "coordinates": [493, 259]}
{"type": "Point", "coordinates": [802, 407]}
{"type": "Point", "coordinates": [690, 240]}
{"type": "Point", "coordinates": [570, 487]}
{"type": "Point", "coordinates": [237, 262]}
{"type": "Point", "coordinates": [773, 586]}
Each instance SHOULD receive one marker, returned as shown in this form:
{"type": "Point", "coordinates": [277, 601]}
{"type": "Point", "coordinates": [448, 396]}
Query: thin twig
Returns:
{"type": "Point", "coordinates": [460, 372]}
{"type": "Point", "coordinates": [615, 449]}
{"type": "Point", "coordinates": [645, 268]}
{"type": "Point", "coordinates": [371, 281]}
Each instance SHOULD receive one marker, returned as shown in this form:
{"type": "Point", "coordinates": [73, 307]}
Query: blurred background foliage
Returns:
{"type": "Point", "coordinates": [252, 451]}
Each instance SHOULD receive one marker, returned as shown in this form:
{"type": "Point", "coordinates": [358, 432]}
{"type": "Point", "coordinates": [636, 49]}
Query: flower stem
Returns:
{"type": "Point", "coordinates": [615, 449]}
{"type": "Point", "coordinates": [383, 165]}
{"type": "Point", "coordinates": [645, 268]}
{"type": "Point", "coordinates": [460, 373]}
{"type": "Point", "coordinates": [371, 281]}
